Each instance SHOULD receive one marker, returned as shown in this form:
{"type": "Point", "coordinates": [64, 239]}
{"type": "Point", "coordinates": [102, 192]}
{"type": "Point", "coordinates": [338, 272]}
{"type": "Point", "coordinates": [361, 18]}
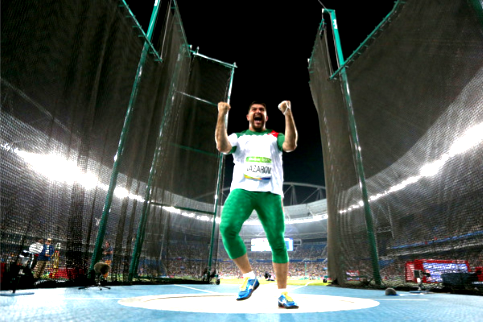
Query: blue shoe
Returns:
{"type": "Point", "coordinates": [286, 301]}
{"type": "Point", "coordinates": [247, 288]}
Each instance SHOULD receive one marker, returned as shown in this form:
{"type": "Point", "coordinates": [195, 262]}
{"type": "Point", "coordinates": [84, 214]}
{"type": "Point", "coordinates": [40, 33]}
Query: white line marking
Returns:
{"type": "Point", "coordinates": [196, 289]}
{"type": "Point", "coordinates": [91, 298]}
{"type": "Point", "coordinates": [260, 304]}
{"type": "Point", "coordinates": [296, 288]}
{"type": "Point", "coordinates": [402, 300]}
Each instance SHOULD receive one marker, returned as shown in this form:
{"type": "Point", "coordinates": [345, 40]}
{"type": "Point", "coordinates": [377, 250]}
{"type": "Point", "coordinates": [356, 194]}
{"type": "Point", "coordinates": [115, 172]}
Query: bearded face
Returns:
{"type": "Point", "coordinates": [257, 118]}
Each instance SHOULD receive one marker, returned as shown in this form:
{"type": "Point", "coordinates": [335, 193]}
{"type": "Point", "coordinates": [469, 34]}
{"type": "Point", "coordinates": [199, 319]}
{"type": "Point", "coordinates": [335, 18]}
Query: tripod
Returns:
{"type": "Point", "coordinates": [20, 273]}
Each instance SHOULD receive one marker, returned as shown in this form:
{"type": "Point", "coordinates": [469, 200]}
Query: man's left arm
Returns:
{"type": "Point", "coordinates": [291, 135]}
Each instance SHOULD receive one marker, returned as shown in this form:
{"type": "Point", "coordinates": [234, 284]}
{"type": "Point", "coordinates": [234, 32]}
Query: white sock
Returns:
{"type": "Point", "coordinates": [250, 275]}
{"type": "Point", "coordinates": [282, 290]}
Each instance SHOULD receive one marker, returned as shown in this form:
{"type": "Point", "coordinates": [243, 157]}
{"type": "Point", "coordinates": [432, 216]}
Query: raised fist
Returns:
{"type": "Point", "coordinates": [223, 107]}
{"type": "Point", "coordinates": [284, 106]}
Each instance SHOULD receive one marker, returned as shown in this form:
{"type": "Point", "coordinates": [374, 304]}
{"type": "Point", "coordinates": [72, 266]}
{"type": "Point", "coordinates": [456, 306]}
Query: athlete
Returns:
{"type": "Point", "coordinates": [257, 185]}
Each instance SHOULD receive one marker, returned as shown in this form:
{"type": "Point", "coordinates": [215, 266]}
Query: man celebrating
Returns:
{"type": "Point", "coordinates": [257, 185]}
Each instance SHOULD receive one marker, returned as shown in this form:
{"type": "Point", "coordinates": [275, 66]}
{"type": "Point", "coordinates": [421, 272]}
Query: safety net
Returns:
{"type": "Point", "coordinates": [402, 121]}
{"type": "Point", "coordinates": [76, 169]}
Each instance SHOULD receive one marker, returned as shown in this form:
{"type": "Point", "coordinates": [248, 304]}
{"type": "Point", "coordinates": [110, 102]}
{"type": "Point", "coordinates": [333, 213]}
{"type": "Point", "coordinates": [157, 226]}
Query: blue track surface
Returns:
{"type": "Point", "coordinates": [72, 304]}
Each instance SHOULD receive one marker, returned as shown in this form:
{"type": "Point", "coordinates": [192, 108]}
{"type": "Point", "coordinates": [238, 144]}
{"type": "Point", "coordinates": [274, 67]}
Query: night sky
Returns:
{"type": "Point", "coordinates": [270, 42]}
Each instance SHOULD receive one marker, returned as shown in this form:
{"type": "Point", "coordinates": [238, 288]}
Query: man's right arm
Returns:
{"type": "Point", "coordinates": [221, 136]}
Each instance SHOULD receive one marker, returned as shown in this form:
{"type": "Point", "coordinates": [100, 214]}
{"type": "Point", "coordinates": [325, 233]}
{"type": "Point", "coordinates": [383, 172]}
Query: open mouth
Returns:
{"type": "Point", "coordinates": [258, 119]}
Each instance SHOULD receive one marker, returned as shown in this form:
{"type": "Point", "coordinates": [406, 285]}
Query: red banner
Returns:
{"type": "Point", "coordinates": [432, 269]}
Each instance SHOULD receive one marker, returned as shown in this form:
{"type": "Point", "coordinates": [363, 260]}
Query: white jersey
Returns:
{"type": "Point", "coordinates": [36, 248]}
{"type": "Point", "coordinates": [258, 161]}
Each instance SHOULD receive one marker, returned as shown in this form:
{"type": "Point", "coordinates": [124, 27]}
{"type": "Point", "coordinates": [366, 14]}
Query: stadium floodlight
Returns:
{"type": "Point", "coordinates": [292, 221]}
{"type": "Point", "coordinates": [432, 168]}
{"type": "Point", "coordinates": [470, 139]}
{"type": "Point", "coordinates": [56, 168]}
{"type": "Point", "coordinates": [172, 210]}
{"type": "Point", "coordinates": [121, 193]}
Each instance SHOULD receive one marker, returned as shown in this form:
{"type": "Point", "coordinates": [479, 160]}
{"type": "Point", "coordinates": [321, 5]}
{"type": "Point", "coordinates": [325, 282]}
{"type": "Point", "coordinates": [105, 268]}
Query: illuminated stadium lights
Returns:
{"type": "Point", "coordinates": [469, 140]}
{"type": "Point", "coordinates": [292, 221]}
{"type": "Point", "coordinates": [56, 168]}
{"type": "Point", "coordinates": [320, 217]}
{"type": "Point", "coordinates": [432, 168]}
{"type": "Point", "coordinates": [136, 197]}
{"type": "Point", "coordinates": [8, 147]}
{"type": "Point", "coordinates": [122, 193]}
{"type": "Point", "coordinates": [176, 211]}
{"type": "Point", "coordinates": [306, 220]}
{"type": "Point", "coordinates": [172, 210]}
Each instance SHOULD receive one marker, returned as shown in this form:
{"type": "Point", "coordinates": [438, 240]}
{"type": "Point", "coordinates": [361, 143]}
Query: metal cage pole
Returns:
{"type": "Point", "coordinates": [218, 183]}
{"type": "Point", "coordinates": [397, 5]}
{"type": "Point", "coordinates": [125, 129]}
{"type": "Point", "coordinates": [357, 152]}
{"type": "Point", "coordinates": [478, 6]}
{"type": "Point", "coordinates": [138, 244]}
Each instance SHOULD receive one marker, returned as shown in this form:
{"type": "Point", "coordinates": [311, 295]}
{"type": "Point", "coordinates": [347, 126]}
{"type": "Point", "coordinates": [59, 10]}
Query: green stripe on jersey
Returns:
{"type": "Point", "coordinates": [258, 159]}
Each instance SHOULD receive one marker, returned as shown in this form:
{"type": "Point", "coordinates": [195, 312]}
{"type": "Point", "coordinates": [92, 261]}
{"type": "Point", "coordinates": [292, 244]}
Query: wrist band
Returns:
{"type": "Point", "coordinates": [280, 107]}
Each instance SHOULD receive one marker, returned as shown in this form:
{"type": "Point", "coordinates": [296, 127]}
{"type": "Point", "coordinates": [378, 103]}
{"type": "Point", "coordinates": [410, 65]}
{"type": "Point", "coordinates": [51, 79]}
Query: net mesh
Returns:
{"type": "Point", "coordinates": [416, 97]}
{"type": "Point", "coordinates": [68, 71]}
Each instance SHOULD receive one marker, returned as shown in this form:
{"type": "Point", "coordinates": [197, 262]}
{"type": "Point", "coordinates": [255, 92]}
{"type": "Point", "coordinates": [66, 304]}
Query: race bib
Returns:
{"type": "Point", "coordinates": [258, 168]}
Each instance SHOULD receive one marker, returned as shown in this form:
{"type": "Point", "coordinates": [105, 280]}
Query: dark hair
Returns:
{"type": "Point", "coordinates": [257, 102]}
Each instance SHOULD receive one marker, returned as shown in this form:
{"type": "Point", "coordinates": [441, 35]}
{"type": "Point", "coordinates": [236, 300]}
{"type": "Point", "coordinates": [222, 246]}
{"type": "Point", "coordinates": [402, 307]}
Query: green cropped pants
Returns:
{"type": "Point", "coordinates": [238, 207]}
